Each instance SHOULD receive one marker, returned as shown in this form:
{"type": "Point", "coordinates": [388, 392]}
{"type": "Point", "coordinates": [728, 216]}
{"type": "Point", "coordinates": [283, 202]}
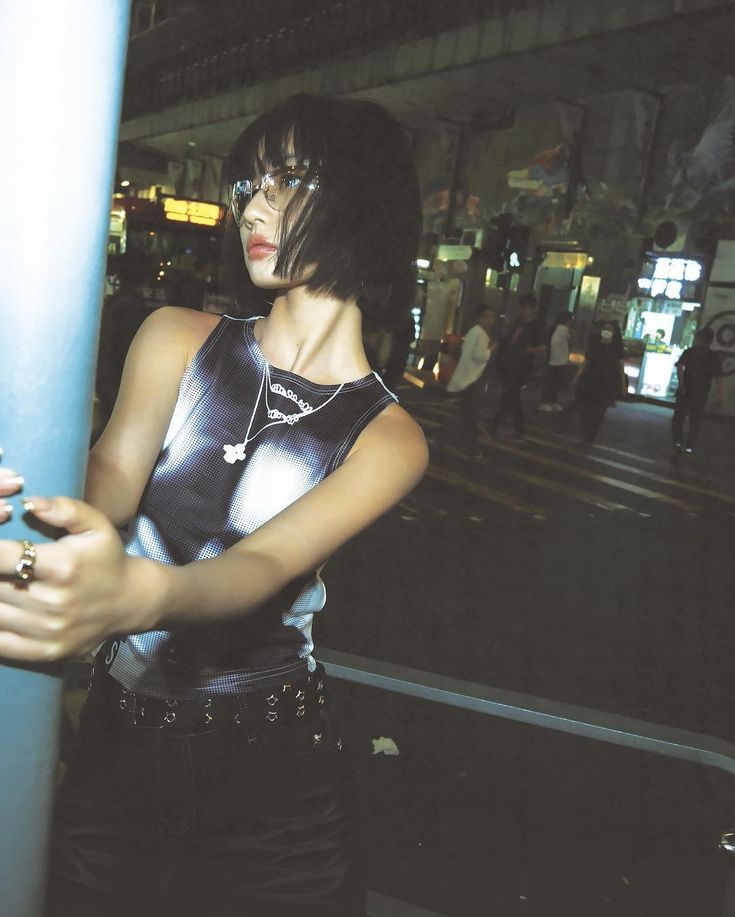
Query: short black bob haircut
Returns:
{"type": "Point", "coordinates": [360, 226]}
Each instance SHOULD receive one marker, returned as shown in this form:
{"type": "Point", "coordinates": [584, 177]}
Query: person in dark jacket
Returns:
{"type": "Point", "coordinates": [515, 364]}
{"type": "Point", "coordinates": [696, 369]}
{"type": "Point", "coordinates": [598, 383]}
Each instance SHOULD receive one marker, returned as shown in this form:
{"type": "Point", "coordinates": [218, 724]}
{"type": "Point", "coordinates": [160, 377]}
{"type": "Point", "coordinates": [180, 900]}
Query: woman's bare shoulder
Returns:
{"type": "Point", "coordinates": [187, 322]}
{"type": "Point", "coordinates": [394, 432]}
{"type": "Point", "coordinates": [182, 328]}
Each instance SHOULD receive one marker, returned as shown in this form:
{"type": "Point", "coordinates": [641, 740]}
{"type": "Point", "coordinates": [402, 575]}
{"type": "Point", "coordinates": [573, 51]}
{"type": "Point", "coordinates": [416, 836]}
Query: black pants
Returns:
{"type": "Point", "coordinates": [222, 822]}
{"type": "Point", "coordinates": [687, 408]}
{"type": "Point", "coordinates": [592, 414]}
{"type": "Point", "coordinates": [510, 404]}
{"type": "Point", "coordinates": [553, 382]}
{"type": "Point", "coordinates": [471, 399]}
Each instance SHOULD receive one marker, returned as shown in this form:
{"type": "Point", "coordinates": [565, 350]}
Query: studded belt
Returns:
{"type": "Point", "coordinates": [270, 707]}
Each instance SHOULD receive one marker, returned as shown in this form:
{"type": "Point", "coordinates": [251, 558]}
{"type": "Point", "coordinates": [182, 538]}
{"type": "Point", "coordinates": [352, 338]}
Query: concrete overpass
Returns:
{"type": "Point", "coordinates": [476, 74]}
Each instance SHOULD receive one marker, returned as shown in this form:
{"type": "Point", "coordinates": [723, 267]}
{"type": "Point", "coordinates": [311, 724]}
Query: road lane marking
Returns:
{"type": "Point", "coordinates": [603, 479]}
{"type": "Point", "coordinates": [484, 492]}
{"type": "Point", "coordinates": [631, 455]}
{"type": "Point", "coordinates": [694, 488]}
{"type": "Point", "coordinates": [557, 486]}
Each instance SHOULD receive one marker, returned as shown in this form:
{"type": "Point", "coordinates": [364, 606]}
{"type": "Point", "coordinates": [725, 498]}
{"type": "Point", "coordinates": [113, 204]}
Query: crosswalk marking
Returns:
{"type": "Point", "coordinates": [694, 488]}
{"type": "Point", "coordinates": [693, 484]}
{"type": "Point", "coordinates": [556, 486]}
{"type": "Point", "coordinates": [484, 492]}
{"type": "Point", "coordinates": [631, 455]}
{"type": "Point", "coordinates": [447, 412]}
{"type": "Point", "coordinates": [603, 479]}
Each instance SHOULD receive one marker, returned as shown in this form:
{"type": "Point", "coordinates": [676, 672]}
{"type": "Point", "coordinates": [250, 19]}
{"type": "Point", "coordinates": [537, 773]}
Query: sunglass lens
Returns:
{"type": "Point", "coordinates": [281, 186]}
{"type": "Point", "coordinates": [242, 191]}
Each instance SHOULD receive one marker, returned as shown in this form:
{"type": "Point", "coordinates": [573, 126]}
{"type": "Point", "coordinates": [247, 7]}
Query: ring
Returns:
{"type": "Point", "coordinates": [24, 569]}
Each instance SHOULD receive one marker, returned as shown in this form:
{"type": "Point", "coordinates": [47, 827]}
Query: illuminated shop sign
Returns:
{"type": "Point", "coordinates": [198, 212]}
{"type": "Point", "coordinates": [671, 278]}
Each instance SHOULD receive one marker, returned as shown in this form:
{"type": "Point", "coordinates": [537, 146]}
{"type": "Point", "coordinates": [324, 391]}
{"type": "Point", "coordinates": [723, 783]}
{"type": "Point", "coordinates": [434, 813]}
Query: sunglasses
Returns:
{"type": "Point", "coordinates": [278, 186]}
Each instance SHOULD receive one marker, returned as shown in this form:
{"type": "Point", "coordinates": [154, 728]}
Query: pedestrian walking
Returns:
{"type": "Point", "coordinates": [558, 363]}
{"type": "Point", "coordinates": [469, 378]}
{"type": "Point", "coordinates": [598, 383]}
{"type": "Point", "coordinates": [242, 452]}
{"type": "Point", "coordinates": [515, 365]}
{"type": "Point", "coordinates": [696, 369]}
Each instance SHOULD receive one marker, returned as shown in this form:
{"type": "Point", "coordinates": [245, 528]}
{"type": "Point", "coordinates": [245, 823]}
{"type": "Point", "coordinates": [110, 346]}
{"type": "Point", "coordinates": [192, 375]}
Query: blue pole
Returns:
{"type": "Point", "coordinates": [61, 69]}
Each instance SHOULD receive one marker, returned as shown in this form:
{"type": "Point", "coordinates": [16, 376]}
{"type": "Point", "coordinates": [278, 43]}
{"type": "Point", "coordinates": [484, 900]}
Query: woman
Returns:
{"type": "Point", "coordinates": [242, 454]}
{"type": "Point", "coordinates": [558, 363]}
{"type": "Point", "coordinates": [598, 382]}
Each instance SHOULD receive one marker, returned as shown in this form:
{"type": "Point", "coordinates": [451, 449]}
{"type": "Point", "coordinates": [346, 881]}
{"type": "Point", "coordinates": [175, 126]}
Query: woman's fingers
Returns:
{"type": "Point", "coordinates": [29, 649]}
{"type": "Point", "coordinates": [24, 619]}
{"type": "Point", "coordinates": [66, 513]}
{"type": "Point", "coordinates": [10, 482]}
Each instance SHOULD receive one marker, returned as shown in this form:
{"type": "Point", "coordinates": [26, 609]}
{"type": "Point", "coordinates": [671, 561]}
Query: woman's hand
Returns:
{"type": "Point", "coordinates": [82, 589]}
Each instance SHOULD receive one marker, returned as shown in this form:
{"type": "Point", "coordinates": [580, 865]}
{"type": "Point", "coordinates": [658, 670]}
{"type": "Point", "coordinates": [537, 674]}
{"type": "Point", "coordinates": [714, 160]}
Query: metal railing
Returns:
{"type": "Point", "coordinates": [537, 711]}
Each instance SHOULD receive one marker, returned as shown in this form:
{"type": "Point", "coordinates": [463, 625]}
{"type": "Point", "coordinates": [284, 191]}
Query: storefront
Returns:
{"type": "Point", "coordinates": [663, 319]}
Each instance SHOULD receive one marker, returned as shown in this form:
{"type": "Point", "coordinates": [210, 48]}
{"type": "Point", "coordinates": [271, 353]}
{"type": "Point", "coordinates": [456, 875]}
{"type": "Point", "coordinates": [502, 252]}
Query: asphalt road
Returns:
{"type": "Point", "coordinates": [599, 575]}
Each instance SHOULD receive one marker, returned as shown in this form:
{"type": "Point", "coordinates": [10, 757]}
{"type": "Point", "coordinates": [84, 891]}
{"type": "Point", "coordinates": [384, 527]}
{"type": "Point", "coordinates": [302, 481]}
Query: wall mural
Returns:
{"type": "Point", "coordinates": [551, 180]}
{"type": "Point", "coordinates": [435, 206]}
{"type": "Point", "coordinates": [687, 175]}
{"type": "Point", "coordinates": [702, 179]}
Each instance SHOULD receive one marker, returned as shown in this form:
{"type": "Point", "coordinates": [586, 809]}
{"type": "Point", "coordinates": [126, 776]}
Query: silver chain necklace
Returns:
{"type": "Point", "coordinates": [238, 452]}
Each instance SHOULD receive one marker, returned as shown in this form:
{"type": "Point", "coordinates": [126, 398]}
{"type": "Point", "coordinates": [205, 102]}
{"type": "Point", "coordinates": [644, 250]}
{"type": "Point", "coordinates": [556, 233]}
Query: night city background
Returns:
{"type": "Point", "coordinates": [583, 151]}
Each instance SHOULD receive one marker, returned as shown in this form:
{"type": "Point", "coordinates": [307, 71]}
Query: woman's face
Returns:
{"type": "Point", "coordinates": [261, 224]}
{"type": "Point", "coordinates": [607, 333]}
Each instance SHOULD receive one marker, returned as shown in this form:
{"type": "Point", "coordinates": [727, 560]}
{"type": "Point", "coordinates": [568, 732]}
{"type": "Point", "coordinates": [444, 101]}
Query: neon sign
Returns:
{"type": "Point", "coordinates": [672, 278]}
{"type": "Point", "coordinates": [197, 212]}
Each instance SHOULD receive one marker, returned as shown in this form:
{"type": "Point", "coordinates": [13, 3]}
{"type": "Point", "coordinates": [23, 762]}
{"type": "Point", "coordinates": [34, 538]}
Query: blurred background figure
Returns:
{"type": "Point", "coordinates": [469, 378]}
{"type": "Point", "coordinates": [696, 369]}
{"type": "Point", "coordinates": [598, 383]}
{"type": "Point", "coordinates": [558, 365]}
{"type": "Point", "coordinates": [515, 365]}
{"type": "Point", "coordinates": [189, 287]}
{"type": "Point", "coordinates": [400, 346]}
{"type": "Point", "coordinates": [122, 315]}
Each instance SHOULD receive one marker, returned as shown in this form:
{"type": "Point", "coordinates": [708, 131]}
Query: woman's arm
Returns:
{"type": "Point", "coordinates": [122, 459]}
{"type": "Point", "coordinates": [386, 463]}
{"type": "Point", "coordinates": [86, 587]}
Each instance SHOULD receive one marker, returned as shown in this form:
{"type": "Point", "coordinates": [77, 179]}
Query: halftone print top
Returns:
{"type": "Point", "coordinates": [207, 492]}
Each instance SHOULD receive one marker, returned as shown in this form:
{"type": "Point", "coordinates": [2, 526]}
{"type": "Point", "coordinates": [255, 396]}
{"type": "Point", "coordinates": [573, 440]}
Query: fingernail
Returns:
{"type": "Point", "coordinates": [34, 504]}
{"type": "Point", "coordinates": [6, 509]}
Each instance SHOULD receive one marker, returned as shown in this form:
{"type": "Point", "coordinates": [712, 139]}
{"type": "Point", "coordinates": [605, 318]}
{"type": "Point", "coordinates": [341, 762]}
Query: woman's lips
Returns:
{"type": "Point", "coordinates": [260, 248]}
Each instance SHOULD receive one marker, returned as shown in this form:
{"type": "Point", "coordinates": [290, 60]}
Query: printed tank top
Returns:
{"type": "Point", "coordinates": [205, 493]}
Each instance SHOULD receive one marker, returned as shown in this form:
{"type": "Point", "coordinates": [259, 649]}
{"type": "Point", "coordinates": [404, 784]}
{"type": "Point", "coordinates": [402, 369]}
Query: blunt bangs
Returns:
{"type": "Point", "coordinates": [360, 226]}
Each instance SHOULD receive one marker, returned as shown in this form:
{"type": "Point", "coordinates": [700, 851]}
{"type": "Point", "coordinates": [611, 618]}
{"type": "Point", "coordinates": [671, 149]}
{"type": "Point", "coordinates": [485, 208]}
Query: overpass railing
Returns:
{"type": "Point", "coordinates": [287, 37]}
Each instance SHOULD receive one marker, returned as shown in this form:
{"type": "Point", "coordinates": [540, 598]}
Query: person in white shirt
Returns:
{"type": "Point", "coordinates": [558, 365]}
{"type": "Point", "coordinates": [468, 378]}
